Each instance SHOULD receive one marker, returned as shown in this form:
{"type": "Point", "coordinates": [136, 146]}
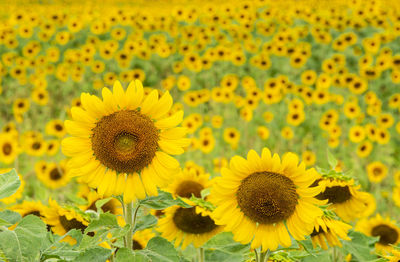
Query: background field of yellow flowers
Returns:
{"type": "Point", "coordinates": [320, 79]}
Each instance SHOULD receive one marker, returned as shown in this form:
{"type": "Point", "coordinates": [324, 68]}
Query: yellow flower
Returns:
{"type": "Point", "coordinates": [384, 228]}
{"type": "Point", "coordinates": [331, 230]}
{"type": "Point", "coordinates": [256, 197]}
{"type": "Point", "coordinates": [376, 171]}
{"type": "Point", "coordinates": [122, 145]}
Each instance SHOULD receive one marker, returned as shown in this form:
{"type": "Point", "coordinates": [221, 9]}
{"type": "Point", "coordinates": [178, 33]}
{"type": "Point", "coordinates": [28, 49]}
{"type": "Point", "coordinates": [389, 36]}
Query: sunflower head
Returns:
{"type": "Point", "coordinates": [122, 144]}
{"type": "Point", "coordinates": [256, 196]}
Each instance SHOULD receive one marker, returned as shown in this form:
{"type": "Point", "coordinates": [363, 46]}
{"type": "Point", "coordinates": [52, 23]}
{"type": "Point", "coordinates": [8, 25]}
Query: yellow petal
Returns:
{"type": "Point", "coordinates": [162, 107]}
{"type": "Point", "coordinates": [109, 103]}
{"type": "Point", "coordinates": [119, 95]}
{"type": "Point", "coordinates": [167, 160]}
{"type": "Point", "coordinates": [134, 94]}
{"type": "Point", "coordinates": [171, 121]}
{"type": "Point", "coordinates": [148, 184]}
{"type": "Point", "coordinates": [170, 148]}
{"type": "Point", "coordinates": [149, 102]}
{"type": "Point", "coordinates": [79, 129]}
{"type": "Point", "coordinates": [138, 187]}
{"type": "Point", "coordinates": [174, 133]}
{"type": "Point", "coordinates": [72, 146]}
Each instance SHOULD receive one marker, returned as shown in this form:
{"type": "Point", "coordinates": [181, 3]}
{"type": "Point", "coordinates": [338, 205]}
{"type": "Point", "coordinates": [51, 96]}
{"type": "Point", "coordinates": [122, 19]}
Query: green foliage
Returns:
{"type": "Point", "coordinates": [24, 243]}
{"type": "Point", "coordinates": [9, 183]}
{"type": "Point", "coordinates": [222, 248]}
{"type": "Point", "coordinates": [162, 201]}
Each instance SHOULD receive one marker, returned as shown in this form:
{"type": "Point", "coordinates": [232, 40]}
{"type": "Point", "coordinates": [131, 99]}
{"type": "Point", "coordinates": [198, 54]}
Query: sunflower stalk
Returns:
{"type": "Point", "coordinates": [264, 256]}
{"type": "Point", "coordinates": [130, 216]}
{"type": "Point", "coordinates": [200, 254]}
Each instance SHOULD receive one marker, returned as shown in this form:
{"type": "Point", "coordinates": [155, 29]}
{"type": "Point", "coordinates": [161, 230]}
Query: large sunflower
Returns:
{"type": "Point", "coordinates": [384, 228]}
{"type": "Point", "coordinates": [122, 145]}
{"type": "Point", "coordinates": [344, 196]}
{"type": "Point", "coordinates": [257, 196]}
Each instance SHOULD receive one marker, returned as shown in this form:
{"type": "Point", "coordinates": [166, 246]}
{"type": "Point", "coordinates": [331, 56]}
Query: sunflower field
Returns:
{"type": "Point", "coordinates": [194, 131]}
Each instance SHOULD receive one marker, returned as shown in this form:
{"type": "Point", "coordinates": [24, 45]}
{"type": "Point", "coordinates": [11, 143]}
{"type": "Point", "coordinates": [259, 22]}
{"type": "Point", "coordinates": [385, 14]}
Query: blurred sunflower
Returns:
{"type": "Point", "coordinates": [54, 175]}
{"type": "Point", "coordinates": [8, 148]}
{"type": "Point", "coordinates": [329, 229]}
{"type": "Point", "coordinates": [344, 196]}
{"type": "Point", "coordinates": [141, 238]}
{"type": "Point", "coordinates": [62, 220]}
{"type": "Point", "coordinates": [122, 145]}
{"type": "Point", "coordinates": [384, 228]}
{"type": "Point", "coordinates": [30, 208]}
{"type": "Point", "coordinates": [188, 183]}
{"type": "Point", "coordinates": [256, 197]}
{"type": "Point", "coordinates": [376, 171]}
{"type": "Point", "coordinates": [186, 226]}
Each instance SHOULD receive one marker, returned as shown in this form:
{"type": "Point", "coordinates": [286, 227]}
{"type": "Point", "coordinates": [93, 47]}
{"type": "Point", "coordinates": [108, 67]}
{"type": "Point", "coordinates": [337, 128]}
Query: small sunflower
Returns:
{"type": "Point", "coordinates": [55, 128]}
{"type": "Point", "coordinates": [256, 197]}
{"type": "Point", "coordinates": [188, 183]}
{"type": "Point", "coordinates": [122, 145]}
{"type": "Point", "coordinates": [344, 196]}
{"type": "Point", "coordinates": [62, 220]}
{"type": "Point", "coordinates": [54, 175]}
{"type": "Point", "coordinates": [113, 205]}
{"type": "Point", "coordinates": [8, 148]}
{"type": "Point", "coordinates": [376, 171]}
{"type": "Point", "coordinates": [141, 238]}
{"type": "Point", "coordinates": [187, 225]}
{"type": "Point", "coordinates": [384, 228]}
{"type": "Point", "coordinates": [329, 229]}
{"type": "Point", "coordinates": [30, 208]}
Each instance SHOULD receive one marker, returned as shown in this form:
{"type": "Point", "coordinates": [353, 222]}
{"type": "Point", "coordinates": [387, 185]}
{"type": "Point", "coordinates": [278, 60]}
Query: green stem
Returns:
{"type": "Point", "coordinates": [200, 254]}
{"type": "Point", "coordinates": [264, 256]}
{"type": "Point", "coordinates": [130, 219]}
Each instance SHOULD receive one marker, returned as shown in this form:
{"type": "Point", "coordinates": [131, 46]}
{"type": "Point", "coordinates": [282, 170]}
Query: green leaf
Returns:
{"type": "Point", "coordinates": [76, 200]}
{"type": "Point", "coordinates": [222, 247]}
{"type": "Point", "coordinates": [102, 202]}
{"type": "Point", "coordinates": [97, 254]}
{"type": "Point", "coordinates": [145, 222]}
{"type": "Point", "coordinates": [160, 250]}
{"type": "Point", "coordinates": [162, 201]}
{"type": "Point", "coordinates": [360, 246]}
{"type": "Point", "coordinates": [25, 241]}
{"type": "Point", "coordinates": [128, 255]}
{"type": "Point", "coordinates": [103, 226]}
{"type": "Point", "coordinates": [8, 218]}
{"type": "Point", "coordinates": [331, 159]}
{"type": "Point", "coordinates": [9, 183]}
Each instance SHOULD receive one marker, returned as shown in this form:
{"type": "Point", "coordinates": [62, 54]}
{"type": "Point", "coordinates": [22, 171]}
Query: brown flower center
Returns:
{"type": "Point", "coordinates": [335, 194]}
{"type": "Point", "coordinates": [7, 149]}
{"type": "Point", "coordinates": [187, 188]}
{"type": "Point", "coordinates": [188, 221]}
{"type": "Point", "coordinates": [267, 198]}
{"type": "Point", "coordinates": [125, 141]}
{"type": "Point", "coordinates": [387, 235]}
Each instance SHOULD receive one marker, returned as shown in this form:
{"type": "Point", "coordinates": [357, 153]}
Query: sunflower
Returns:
{"type": "Point", "coordinates": [18, 194]}
{"type": "Point", "coordinates": [254, 198]}
{"type": "Point", "coordinates": [187, 225]}
{"type": "Point", "coordinates": [54, 175]}
{"type": "Point", "coordinates": [30, 208]}
{"type": "Point", "coordinates": [55, 128]}
{"type": "Point", "coordinates": [344, 196]}
{"type": "Point", "coordinates": [188, 183]}
{"type": "Point", "coordinates": [329, 229]}
{"type": "Point", "coordinates": [376, 171]}
{"type": "Point", "coordinates": [62, 220]}
{"type": "Point", "coordinates": [122, 145]}
{"type": "Point", "coordinates": [8, 148]}
{"type": "Point", "coordinates": [141, 238]}
{"type": "Point", "coordinates": [384, 228]}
